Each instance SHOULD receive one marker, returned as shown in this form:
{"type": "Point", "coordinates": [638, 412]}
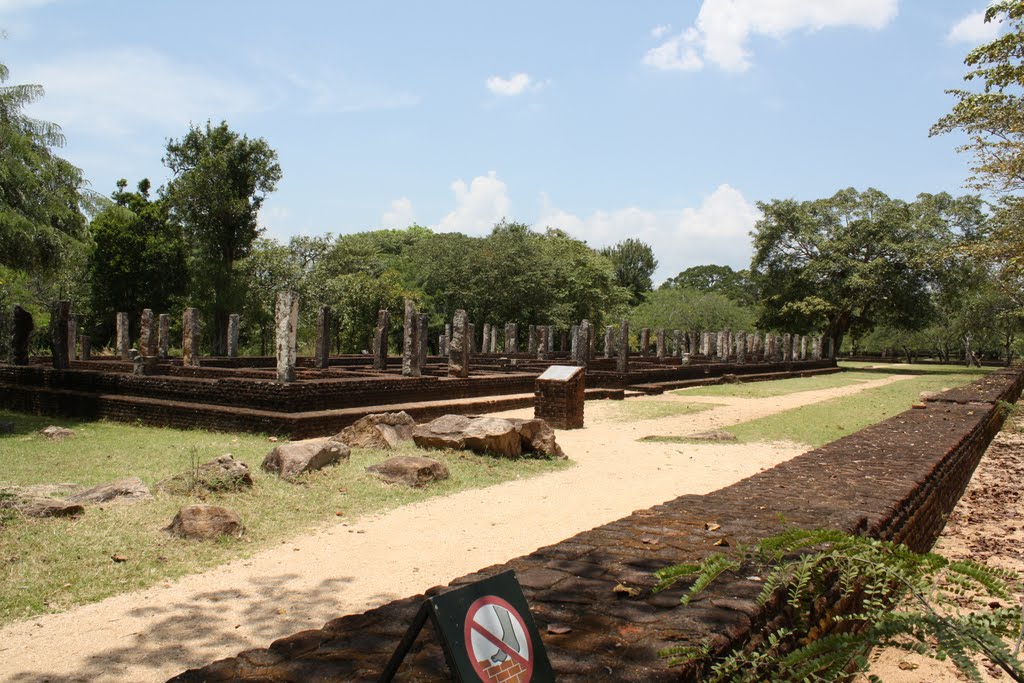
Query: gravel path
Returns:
{"type": "Point", "coordinates": [343, 568]}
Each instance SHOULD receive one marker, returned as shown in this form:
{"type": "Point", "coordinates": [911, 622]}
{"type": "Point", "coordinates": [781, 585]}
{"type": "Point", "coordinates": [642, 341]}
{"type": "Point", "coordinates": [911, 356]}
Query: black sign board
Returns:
{"type": "Point", "coordinates": [486, 632]}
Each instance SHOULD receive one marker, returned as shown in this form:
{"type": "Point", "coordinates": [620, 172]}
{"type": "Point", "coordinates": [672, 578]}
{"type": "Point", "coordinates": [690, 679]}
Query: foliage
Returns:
{"type": "Point", "coordinates": [867, 577]}
{"type": "Point", "coordinates": [853, 260]}
{"type": "Point", "coordinates": [220, 180]}
{"type": "Point", "coordinates": [634, 264]}
{"type": "Point", "coordinates": [734, 284]}
{"type": "Point", "coordinates": [678, 308]}
{"type": "Point", "coordinates": [139, 258]}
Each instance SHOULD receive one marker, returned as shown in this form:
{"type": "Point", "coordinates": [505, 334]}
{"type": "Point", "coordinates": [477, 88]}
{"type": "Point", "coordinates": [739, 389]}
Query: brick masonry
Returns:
{"type": "Point", "coordinates": [898, 479]}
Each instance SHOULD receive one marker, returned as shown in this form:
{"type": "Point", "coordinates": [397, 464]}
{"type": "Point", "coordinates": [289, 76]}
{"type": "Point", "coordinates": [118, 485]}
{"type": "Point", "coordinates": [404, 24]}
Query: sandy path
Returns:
{"type": "Point", "coordinates": [345, 568]}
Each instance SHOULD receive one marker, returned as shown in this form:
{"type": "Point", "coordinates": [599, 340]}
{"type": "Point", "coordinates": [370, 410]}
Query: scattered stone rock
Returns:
{"type": "Point", "coordinates": [130, 489]}
{"type": "Point", "coordinates": [537, 436]}
{"type": "Point", "coordinates": [220, 474]}
{"type": "Point", "coordinates": [291, 459]}
{"type": "Point", "coordinates": [32, 501]}
{"type": "Point", "coordinates": [478, 434]}
{"type": "Point", "coordinates": [380, 430]}
{"type": "Point", "coordinates": [712, 436]}
{"type": "Point", "coordinates": [205, 522]}
{"type": "Point", "coordinates": [6, 427]}
{"type": "Point", "coordinates": [55, 433]}
{"type": "Point", "coordinates": [410, 470]}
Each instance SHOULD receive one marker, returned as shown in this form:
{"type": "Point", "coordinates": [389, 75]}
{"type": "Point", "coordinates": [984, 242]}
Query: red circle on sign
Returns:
{"type": "Point", "coordinates": [521, 655]}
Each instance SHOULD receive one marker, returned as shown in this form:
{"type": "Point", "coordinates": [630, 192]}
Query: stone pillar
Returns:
{"type": "Point", "coordinates": [723, 346]}
{"type": "Point", "coordinates": [803, 347]}
{"type": "Point", "coordinates": [645, 341]}
{"type": "Point", "coordinates": [741, 347]}
{"type": "Point", "coordinates": [586, 335]}
{"type": "Point", "coordinates": [677, 344]}
{"type": "Point", "coordinates": [447, 338]}
{"type": "Point", "coordinates": [769, 347]}
{"type": "Point", "coordinates": [830, 351]}
{"type": "Point", "coordinates": [410, 342]}
{"type": "Point", "coordinates": [164, 339]}
{"type": "Point", "coordinates": [816, 353]}
{"type": "Point", "coordinates": [286, 313]}
{"type": "Point", "coordinates": [421, 337]}
{"type": "Point", "coordinates": [541, 342]}
{"type": "Point", "coordinates": [472, 339]}
{"type": "Point", "coordinates": [787, 347]}
{"type": "Point", "coordinates": [190, 338]}
{"type": "Point", "coordinates": [147, 333]}
{"type": "Point", "coordinates": [511, 338]}
{"type": "Point", "coordinates": [574, 340]}
{"type": "Point", "coordinates": [486, 345]}
{"type": "Point", "coordinates": [60, 311]}
{"type": "Point", "coordinates": [322, 349]}
{"type": "Point", "coordinates": [234, 322]}
{"type": "Point", "coordinates": [659, 344]}
{"type": "Point", "coordinates": [705, 343]}
{"type": "Point", "coordinates": [550, 347]}
{"type": "Point", "coordinates": [609, 336]}
{"type": "Point", "coordinates": [123, 341]}
{"type": "Point", "coordinates": [531, 343]}
{"type": "Point", "coordinates": [458, 347]}
{"type": "Point", "coordinates": [442, 346]}
{"type": "Point", "coordinates": [86, 347]}
{"type": "Point", "coordinates": [622, 361]}
{"type": "Point", "coordinates": [380, 340]}
{"type": "Point", "coordinates": [563, 337]}
{"type": "Point", "coordinates": [20, 334]}
{"type": "Point", "coordinates": [72, 335]}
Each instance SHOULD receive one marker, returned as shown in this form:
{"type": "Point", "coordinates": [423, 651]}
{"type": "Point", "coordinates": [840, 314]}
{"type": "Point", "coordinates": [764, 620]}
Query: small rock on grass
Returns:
{"type": "Point", "coordinates": [205, 522]}
{"type": "Point", "coordinates": [55, 433]}
{"type": "Point", "coordinates": [289, 460]}
{"type": "Point", "coordinates": [129, 489]}
{"type": "Point", "coordinates": [712, 436]}
{"type": "Point", "coordinates": [410, 470]}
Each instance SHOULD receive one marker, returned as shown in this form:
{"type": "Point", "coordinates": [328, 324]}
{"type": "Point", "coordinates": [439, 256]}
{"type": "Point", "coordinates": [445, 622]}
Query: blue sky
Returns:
{"type": "Point", "coordinates": [665, 121]}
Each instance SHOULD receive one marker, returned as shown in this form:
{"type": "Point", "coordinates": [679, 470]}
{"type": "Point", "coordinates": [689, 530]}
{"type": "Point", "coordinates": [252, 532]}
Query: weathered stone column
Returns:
{"type": "Point", "coordinates": [458, 347]}
{"type": "Point", "coordinates": [86, 347]}
{"type": "Point", "coordinates": [677, 344]}
{"type": "Point", "coordinates": [59, 313]}
{"type": "Point", "coordinates": [539, 339]}
{"type": "Point", "coordinates": [622, 361]}
{"type": "Point", "coordinates": [472, 339]}
{"type": "Point", "coordinates": [286, 313]}
{"type": "Point", "coordinates": [421, 337]}
{"type": "Point", "coordinates": [410, 342]}
{"type": "Point", "coordinates": [584, 336]}
{"type": "Point", "coordinates": [380, 340]}
{"type": "Point", "coordinates": [164, 340]}
{"type": "Point", "coordinates": [817, 348]}
{"type": "Point", "coordinates": [830, 352]}
{"type": "Point", "coordinates": [494, 339]}
{"type": "Point", "coordinates": [609, 335]}
{"type": "Point", "coordinates": [322, 350]}
{"type": "Point", "coordinates": [511, 338]}
{"type": "Point", "coordinates": [190, 338]}
{"type": "Point", "coordinates": [72, 335]}
{"type": "Point", "coordinates": [722, 349]}
{"type": "Point", "coordinates": [234, 323]}
{"type": "Point", "coordinates": [705, 344]}
{"type": "Point", "coordinates": [563, 337]}
{"type": "Point", "coordinates": [20, 334]}
{"type": "Point", "coordinates": [803, 347]}
{"type": "Point", "coordinates": [659, 344]}
{"type": "Point", "coordinates": [550, 345]}
{"type": "Point", "coordinates": [741, 347]}
{"type": "Point", "coordinates": [123, 341]}
{"type": "Point", "coordinates": [645, 341]}
{"type": "Point", "coordinates": [147, 333]}
{"type": "Point", "coordinates": [485, 343]}
{"type": "Point", "coordinates": [531, 343]}
{"type": "Point", "coordinates": [769, 347]}
{"type": "Point", "coordinates": [447, 337]}
{"type": "Point", "coordinates": [787, 347]}
{"type": "Point", "coordinates": [574, 340]}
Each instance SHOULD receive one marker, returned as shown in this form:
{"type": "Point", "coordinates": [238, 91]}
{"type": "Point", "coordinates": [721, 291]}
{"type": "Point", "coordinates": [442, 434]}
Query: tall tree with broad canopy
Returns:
{"type": "Point", "coordinates": [723, 280]}
{"type": "Point", "coordinates": [220, 180]}
{"type": "Point", "coordinates": [634, 264]}
{"type": "Point", "coordinates": [850, 261]}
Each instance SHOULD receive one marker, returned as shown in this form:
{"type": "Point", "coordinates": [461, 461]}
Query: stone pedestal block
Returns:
{"type": "Point", "coordinates": [558, 398]}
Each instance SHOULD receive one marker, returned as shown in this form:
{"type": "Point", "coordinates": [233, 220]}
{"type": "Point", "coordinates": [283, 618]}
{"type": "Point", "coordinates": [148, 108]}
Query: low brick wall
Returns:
{"type": "Point", "coordinates": [898, 479]}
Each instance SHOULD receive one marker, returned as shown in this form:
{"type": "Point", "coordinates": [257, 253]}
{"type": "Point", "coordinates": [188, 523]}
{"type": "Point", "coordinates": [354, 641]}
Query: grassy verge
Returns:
{"type": "Point", "coordinates": [49, 565]}
{"type": "Point", "coordinates": [780, 387]}
{"type": "Point", "coordinates": [631, 411]}
{"type": "Point", "coordinates": [915, 369]}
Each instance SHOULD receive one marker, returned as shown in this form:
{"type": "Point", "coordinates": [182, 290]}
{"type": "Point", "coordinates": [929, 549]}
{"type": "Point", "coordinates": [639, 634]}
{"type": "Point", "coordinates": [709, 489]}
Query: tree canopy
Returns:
{"type": "Point", "coordinates": [634, 264]}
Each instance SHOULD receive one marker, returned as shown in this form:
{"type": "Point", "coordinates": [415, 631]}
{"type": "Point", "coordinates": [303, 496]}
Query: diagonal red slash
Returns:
{"type": "Point", "coordinates": [500, 644]}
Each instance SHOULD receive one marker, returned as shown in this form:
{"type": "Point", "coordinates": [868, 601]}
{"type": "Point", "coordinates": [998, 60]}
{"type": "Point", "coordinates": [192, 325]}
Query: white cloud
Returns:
{"type": "Point", "coordinates": [399, 216]}
{"type": "Point", "coordinates": [478, 206]}
{"type": "Point", "coordinates": [973, 29]}
{"type": "Point", "coordinates": [119, 91]}
{"type": "Point", "coordinates": [659, 31]}
{"type": "Point", "coordinates": [516, 84]}
{"type": "Point", "coordinates": [723, 28]}
{"type": "Point", "coordinates": [320, 90]}
{"type": "Point", "coordinates": [715, 232]}
{"type": "Point", "coordinates": [10, 6]}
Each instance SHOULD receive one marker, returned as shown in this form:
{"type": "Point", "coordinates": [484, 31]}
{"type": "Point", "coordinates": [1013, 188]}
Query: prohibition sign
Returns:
{"type": "Point", "coordinates": [497, 640]}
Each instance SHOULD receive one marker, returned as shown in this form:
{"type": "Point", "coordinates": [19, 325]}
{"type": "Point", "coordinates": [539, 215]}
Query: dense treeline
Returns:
{"type": "Point", "coordinates": [940, 274]}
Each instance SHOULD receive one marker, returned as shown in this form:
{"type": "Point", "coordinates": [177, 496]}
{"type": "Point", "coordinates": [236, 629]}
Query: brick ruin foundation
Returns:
{"type": "Point", "coordinates": [898, 480]}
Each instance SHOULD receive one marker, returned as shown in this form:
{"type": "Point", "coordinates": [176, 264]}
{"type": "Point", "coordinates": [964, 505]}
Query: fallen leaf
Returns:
{"type": "Point", "coordinates": [272, 439]}
{"type": "Point", "coordinates": [711, 526]}
{"type": "Point", "coordinates": [648, 539]}
{"type": "Point", "coordinates": [722, 542]}
{"type": "Point", "coordinates": [119, 558]}
{"type": "Point", "coordinates": [626, 590]}
{"type": "Point", "coordinates": [558, 629]}
{"type": "Point", "coordinates": [907, 666]}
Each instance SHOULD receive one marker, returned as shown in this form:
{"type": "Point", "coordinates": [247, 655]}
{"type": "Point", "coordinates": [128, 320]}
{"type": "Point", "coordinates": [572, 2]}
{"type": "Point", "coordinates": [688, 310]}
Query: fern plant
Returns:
{"type": "Point", "coordinates": [839, 591]}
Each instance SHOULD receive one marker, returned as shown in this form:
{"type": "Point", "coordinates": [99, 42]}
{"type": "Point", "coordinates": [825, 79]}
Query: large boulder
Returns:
{"type": "Point", "coordinates": [380, 430]}
{"type": "Point", "coordinates": [205, 522]}
{"type": "Point", "coordinates": [31, 503]}
{"type": "Point", "coordinates": [478, 434]}
{"type": "Point", "coordinates": [220, 474]}
{"type": "Point", "coordinates": [292, 459]}
{"type": "Point", "coordinates": [538, 437]}
{"type": "Point", "coordinates": [410, 470]}
{"type": "Point", "coordinates": [130, 489]}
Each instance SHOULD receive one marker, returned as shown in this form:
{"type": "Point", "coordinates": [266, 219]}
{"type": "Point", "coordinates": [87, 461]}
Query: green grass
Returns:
{"type": "Point", "coordinates": [49, 565]}
{"type": "Point", "coordinates": [915, 369]}
{"type": "Point", "coordinates": [633, 410]}
{"type": "Point", "coordinates": [821, 423]}
{"type": "Point", "coordinates": [780, 387]}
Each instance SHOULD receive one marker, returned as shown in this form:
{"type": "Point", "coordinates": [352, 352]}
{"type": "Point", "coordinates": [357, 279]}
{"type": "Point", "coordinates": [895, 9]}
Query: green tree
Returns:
{"type": "Point", "coordinates": [634, 265]}
{"type": "Point", "coordinates": [690, 310]}
{"type": "Point", "coordinates": [220, 180]}
{"type": "Point", "coordinates": [734, 284]}
{"type": "Point", "coordinates": [139, 258]}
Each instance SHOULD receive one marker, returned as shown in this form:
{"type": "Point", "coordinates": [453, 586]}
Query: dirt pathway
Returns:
{"type": "Point", "coordinates": [344, 568]}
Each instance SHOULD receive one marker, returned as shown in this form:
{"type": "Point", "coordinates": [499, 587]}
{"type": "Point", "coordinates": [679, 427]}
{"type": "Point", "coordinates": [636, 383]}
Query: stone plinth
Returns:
{"type": "Point", "coordinates": [234, 322]}
{"type": "Point", "coordinates": [558, 399]}
{"type": "Point", "coordinates": [190, 338]}
{"type": "Point", "coordinates": [286, 313]}
{"type": "Point", "coordinates": [322, 353]}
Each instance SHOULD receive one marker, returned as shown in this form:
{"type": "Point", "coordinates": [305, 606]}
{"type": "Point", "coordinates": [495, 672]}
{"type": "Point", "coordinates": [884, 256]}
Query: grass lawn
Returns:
{"type": "Point", "coordinates": [779, 387]}
{"type": "Point", "coordinates": [915, 369]}
{"type": "Point", "coordinates": [49, 565]}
